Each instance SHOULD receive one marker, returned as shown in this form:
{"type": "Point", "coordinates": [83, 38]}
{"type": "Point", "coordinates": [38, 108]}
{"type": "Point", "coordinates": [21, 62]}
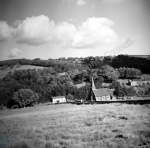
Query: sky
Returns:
{"type": "Point", "coordinates": [73, 28]}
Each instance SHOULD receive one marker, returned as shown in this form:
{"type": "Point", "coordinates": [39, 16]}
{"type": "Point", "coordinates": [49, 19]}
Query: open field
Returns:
{"type": "Point", "coordinates": [76, 126]}
{"type": "Point", "coordinates": [3, 73]}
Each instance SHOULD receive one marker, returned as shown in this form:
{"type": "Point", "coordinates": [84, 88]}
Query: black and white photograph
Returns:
{"type": "Point", "coordinates": [74, 73]}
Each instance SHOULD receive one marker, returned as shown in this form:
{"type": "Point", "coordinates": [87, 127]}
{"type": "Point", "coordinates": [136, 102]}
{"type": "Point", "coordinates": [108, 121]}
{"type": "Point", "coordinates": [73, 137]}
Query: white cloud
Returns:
{"type": "Point", "coordinates": [5, 31]}
{"type": "Point", "coordinates": [14, 52]}
{"type": "Point", "coordinates": [94, 32]}
{"type": "Point", "coordinates": [81, 2]}
{"type": "Point", "coordinates": [39, 30]}
{"type": "Point", "coordinates": [35, 30]}
{"type": "Point", "coordinates": [112, 1]}
{"type": "Point", "coordinates": [65, 33]}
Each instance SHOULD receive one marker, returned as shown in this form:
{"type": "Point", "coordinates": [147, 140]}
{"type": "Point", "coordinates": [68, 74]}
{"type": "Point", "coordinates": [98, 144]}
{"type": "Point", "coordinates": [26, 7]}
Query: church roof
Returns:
{"type": "Point", "coordinates": [101, 92]}
{"type": "Point", "coordinates": [58, 97]}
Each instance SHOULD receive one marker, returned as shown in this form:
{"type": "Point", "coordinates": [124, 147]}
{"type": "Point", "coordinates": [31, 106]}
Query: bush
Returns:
{"type": "Point", "coordinates": [25, 97]}
{"type": "Point", "coordinates": [70, 97]}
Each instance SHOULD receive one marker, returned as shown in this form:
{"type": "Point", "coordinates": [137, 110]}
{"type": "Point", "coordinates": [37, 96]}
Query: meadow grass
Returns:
{"type": "Point", "coordinates": [76, 126]}
{"type": "Point", "coordinates": [3, 73]}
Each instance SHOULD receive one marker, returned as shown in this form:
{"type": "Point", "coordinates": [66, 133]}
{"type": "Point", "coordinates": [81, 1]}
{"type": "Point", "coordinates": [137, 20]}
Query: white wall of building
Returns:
{"type": "Point", "coordinates": [103, 98]}
{"type": "Point", "coordinates": [59, 100]}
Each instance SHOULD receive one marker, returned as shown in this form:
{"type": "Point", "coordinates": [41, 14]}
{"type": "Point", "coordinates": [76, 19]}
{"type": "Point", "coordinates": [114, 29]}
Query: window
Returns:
{"type": "Point", "coordinates": [98, 98]}
{"type": "Point", "coordinates": [108, 97]}
{"type": "Point", "coordinates": [103, 97]}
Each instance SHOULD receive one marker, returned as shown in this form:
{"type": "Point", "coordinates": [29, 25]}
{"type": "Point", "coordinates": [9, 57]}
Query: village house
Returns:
{"type": "Point", "coordinates": [59, 99]}
{"type": "Point", "coordinates": [123, 81]}
{"type": "Point", "coordinates": [106, 85]}
{"type": "Point", "coordinates": [138, 82]}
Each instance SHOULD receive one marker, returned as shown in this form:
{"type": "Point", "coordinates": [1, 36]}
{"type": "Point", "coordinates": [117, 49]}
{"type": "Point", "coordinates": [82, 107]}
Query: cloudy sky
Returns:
{"type": "Point", "coordinates": [72, 28]}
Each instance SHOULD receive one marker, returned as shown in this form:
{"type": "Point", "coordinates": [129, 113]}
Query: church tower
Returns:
{"type": "Point", "coordinates": [92, 83]}
{"type": "Point", "coordinates": [92, 88]}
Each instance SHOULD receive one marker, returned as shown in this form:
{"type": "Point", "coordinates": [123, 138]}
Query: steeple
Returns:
{"type": "Point", "coordinates": [92, 88]}
{"type": "Point", "coordinates": [92, 83]}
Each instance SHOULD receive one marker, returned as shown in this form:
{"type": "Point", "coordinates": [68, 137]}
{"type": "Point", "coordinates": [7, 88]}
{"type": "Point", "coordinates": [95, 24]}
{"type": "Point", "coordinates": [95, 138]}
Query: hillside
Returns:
{"type": "Point", "coordinates": [141, 56]}
{"type": "Point", "coordinates": [71, 76]}
{"type": "Point", "coordinates": [3, 73]}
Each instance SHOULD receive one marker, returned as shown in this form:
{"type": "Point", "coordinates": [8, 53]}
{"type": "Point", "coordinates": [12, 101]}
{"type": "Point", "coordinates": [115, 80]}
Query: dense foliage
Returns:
{"type": "Point", "coordinates": [142, 64]}
{"type": "Point", "coordinates": [46, 83]}
{"type": "Point", "coordinates": [24, 97]}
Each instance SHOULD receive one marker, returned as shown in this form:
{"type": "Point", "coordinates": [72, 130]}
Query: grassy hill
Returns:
{"type": "Point", "coordinates": [76, 126]}
{"type": "Point", "coordinates": [3, 73]}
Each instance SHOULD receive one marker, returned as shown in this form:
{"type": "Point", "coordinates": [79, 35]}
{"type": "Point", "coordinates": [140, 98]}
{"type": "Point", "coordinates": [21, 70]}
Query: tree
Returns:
{"type": "Point", "coordinates": [143, 64]}
{"type": "Point", "coordinates": [98, 81]}
{"type": "Point", "coordinates": [70, 97]}
{"type": "Point", "coordinates": [110, 72]}
{"type": "Point", "coordinates": [25, 97]}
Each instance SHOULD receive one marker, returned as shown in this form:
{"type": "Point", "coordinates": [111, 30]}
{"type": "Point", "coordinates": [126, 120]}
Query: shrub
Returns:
{"type": "Point", "coordinates": [25, 97]}
{"type": "Point", "coordinates": [70, 97]}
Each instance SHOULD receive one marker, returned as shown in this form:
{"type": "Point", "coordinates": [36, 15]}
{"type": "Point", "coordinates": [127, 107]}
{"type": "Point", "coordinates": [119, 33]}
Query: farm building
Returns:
{"type": "Point", "coordinates": [59, 99]}
{"type": "Point", "coordinates": [138, 82]}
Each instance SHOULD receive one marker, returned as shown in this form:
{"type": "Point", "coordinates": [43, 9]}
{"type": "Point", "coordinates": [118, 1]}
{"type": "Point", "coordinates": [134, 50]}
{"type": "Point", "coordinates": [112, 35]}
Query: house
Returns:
{"type": "Point", "coordinates": [106, 85]}
{"type": "Point", "coordinates": [102, 94]}
{"type": "Point", "coordinates": [123, 81]}
{"type": "Point", "coordinates": [81, 85]}
{"type": "Point", "coordinates": [78, 61]}
{"type": "Point", "coordinates": [138, 82]}
{"type": "Point", "coordinates": [59, 99]}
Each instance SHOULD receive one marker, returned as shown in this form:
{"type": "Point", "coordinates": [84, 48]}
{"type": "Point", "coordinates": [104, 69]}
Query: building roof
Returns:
{"type": "Point", "coordinates": [106, 84]}
{"type": "Point", "coordinates": [80, 85]}
{"type": "Point", "coordinates": [139, 80]}
{"type": "Point", "coordinates": [101, 92]}
{"type": "Point", "coordinates": [57, 97]}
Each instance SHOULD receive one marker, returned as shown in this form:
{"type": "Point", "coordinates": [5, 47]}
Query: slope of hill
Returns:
{"type": "Point", "coordinates": [3, 73]}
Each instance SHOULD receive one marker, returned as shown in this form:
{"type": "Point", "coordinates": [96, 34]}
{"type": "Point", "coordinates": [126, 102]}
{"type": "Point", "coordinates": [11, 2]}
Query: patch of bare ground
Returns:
{"type": "Point", "coordinates": [74, 126]}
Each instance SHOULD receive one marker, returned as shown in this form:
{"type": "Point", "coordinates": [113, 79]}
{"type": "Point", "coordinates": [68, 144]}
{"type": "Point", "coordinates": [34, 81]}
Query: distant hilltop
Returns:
{"type": "Point", "coordinates": [140, 56]}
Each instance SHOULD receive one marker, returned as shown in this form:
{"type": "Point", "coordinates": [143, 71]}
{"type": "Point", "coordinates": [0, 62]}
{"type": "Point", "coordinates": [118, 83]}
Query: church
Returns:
{"type": "Point", "coordinates": [102, 94]}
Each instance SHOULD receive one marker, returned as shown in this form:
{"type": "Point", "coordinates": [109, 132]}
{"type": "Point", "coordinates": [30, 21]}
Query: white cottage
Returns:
{"type": "Point", "coordinates": [59, 99]}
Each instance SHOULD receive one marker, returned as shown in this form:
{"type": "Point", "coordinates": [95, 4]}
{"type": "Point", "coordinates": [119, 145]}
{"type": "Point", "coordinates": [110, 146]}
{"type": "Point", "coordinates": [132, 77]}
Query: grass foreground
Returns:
{"type": "Point", "coordinates": [76, 126]}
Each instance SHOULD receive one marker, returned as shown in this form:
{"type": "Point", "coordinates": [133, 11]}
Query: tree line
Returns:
{"type": "Point", "coordinates": [142, 64]}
